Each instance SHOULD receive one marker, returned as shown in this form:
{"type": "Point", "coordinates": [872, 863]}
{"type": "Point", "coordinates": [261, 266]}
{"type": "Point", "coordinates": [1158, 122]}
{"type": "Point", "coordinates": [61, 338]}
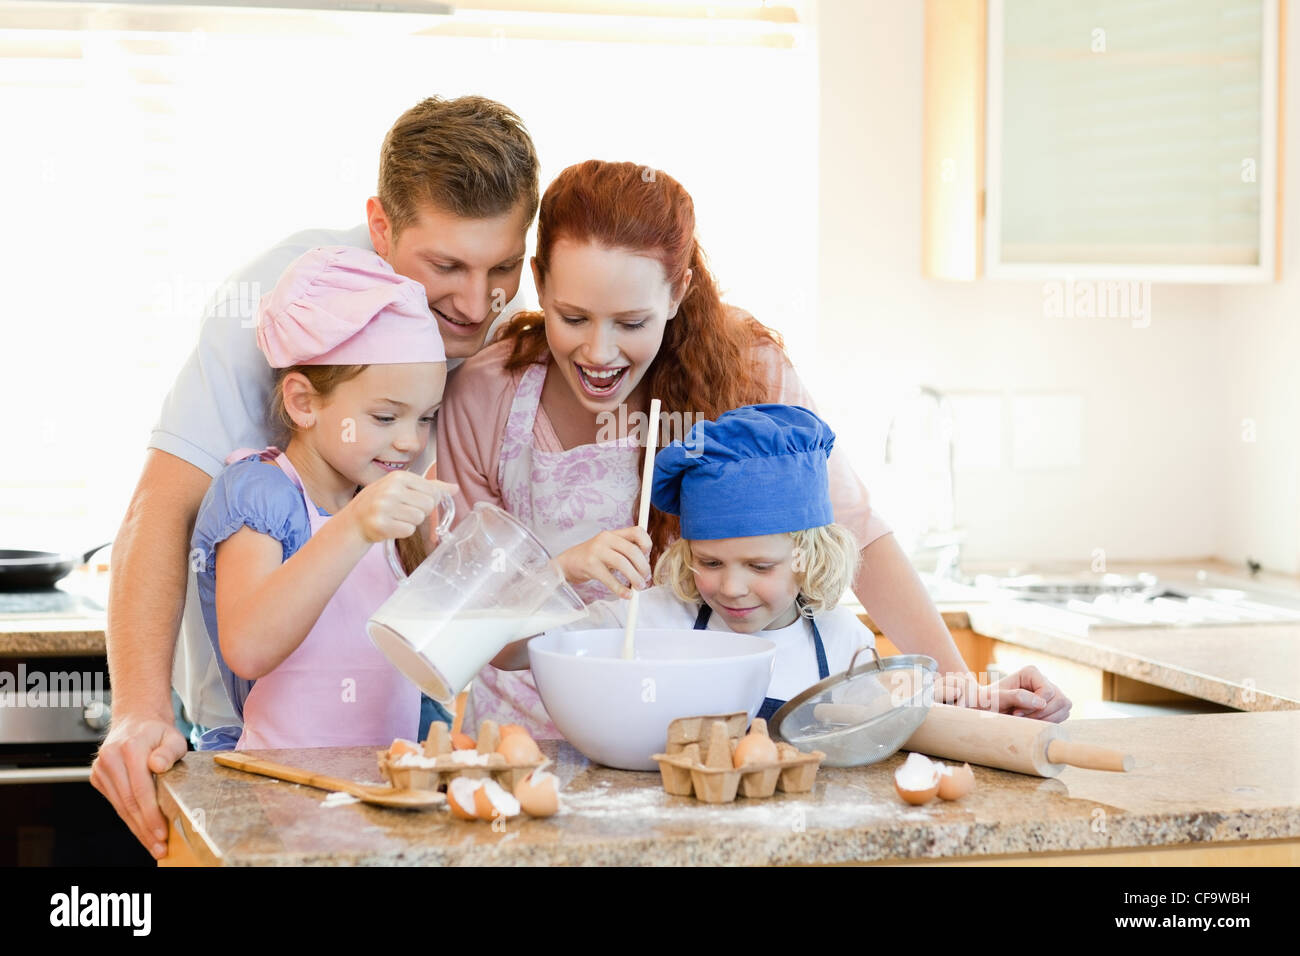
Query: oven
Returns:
{"type": "Point", "coordinates": [54, 711]}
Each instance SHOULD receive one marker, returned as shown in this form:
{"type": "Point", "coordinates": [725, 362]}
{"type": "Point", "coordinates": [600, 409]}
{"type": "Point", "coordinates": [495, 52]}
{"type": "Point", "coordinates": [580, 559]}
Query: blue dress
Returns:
{"type": "Point", "coordinates": [255, 494]}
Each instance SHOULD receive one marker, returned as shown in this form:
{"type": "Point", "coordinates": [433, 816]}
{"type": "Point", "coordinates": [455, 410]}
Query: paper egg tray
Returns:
{"type": "Point", "coordinates": [713, 778]}
{"type": "Point", "coordinates": [446, 769]}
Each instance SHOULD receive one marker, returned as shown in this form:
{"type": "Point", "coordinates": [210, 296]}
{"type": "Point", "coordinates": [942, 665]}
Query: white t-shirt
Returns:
{"type": "Point", "coordinates": [795, 669]}
{"type": "Point", "coordinates": [220, 402]}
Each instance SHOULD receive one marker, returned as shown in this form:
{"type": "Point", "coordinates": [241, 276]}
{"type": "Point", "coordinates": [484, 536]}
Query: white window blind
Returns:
{"type": "Point", "coordinates": [144, 162]}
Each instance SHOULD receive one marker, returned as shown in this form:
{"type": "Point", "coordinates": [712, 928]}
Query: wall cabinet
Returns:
{"type": "Point", "coordinates": [1103, 139]}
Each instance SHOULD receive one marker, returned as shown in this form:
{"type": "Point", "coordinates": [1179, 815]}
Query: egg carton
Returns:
{"type": "Point", "coordinates": [446, 768]}
{"type": "Point", "coordinates": [700, 762]}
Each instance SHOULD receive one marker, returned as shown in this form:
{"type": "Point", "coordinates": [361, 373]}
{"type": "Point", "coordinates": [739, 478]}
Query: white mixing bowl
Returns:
{"type": "Point", "coordinates": [617, 711]}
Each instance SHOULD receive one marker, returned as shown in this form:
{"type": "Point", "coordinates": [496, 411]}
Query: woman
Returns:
{"type": "Point", "coordinates": [541, 423]}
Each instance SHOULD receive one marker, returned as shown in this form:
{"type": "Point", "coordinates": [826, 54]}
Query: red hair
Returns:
{"type": "Point", "coordinates": [707, 363]}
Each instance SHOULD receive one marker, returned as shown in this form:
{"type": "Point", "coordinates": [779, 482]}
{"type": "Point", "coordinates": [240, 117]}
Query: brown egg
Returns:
{"type": "Point", "coordinates": [508, 729]}
{"type": "Point", "coordinates": [461, 797]}
{"type": "Point", "coordinates": [461, 741]}
{"type": "Point", "coordinates": [956, 782]}
{"type": "Point", "coordinates": [519, 748]}
{"type": "Point", "coordinates": [539, 794]}
{"type": "Point", "coordinates": [917, 780]}
{"type": "Point", "coordinates": [754, 748]}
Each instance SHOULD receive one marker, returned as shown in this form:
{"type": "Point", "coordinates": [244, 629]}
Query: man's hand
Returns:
{"type": "Point", "coordinates": [136, 748]}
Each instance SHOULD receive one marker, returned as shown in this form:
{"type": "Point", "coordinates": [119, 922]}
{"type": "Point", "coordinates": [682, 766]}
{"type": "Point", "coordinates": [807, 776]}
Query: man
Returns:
{"type": "Point", "coordinates": [458, 188]}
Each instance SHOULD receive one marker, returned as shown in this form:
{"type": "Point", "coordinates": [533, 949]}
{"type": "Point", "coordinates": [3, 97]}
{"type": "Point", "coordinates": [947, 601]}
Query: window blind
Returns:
{"type": "Point", "coordinates": [143, 165]}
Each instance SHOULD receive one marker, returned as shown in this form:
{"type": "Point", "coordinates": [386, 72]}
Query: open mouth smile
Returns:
{"type": "Point", "coordinates": [600, 382]}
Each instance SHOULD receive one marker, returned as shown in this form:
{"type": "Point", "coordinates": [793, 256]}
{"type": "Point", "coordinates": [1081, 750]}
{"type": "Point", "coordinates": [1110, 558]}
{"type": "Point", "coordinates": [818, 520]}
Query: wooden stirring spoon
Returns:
{"type": "Point", "coordinates": [367, 793]}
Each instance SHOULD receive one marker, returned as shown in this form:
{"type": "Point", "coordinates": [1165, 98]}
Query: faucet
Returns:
{"type": "Point", "coordinates": [924, 431]}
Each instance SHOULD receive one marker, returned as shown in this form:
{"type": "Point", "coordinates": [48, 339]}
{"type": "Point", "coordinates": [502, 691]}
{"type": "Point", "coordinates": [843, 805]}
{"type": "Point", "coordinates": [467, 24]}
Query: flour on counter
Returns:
{"type": "Point", "coordinates": [339, 799]}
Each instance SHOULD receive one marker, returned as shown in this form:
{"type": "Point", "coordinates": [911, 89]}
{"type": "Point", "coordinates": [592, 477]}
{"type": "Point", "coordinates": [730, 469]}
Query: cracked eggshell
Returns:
{"type": "Point", "coordinates": [539, 794]}
{"type": "Point", "coordinates": [402, 746]}
{"type": "Point", "coordinates": [956, 782]}
{"type": "Point", "coordinates": [462, 796]}
{"type": "Point", "coordinates": [917, 780]}
{"type": "Point", "coordinates": [491, 801]}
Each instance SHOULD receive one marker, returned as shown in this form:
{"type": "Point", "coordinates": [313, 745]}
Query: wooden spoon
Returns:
{"type": "Point", "coordinates": [643, 522]}
{"type": "Point", "coordinates": [367, 793]}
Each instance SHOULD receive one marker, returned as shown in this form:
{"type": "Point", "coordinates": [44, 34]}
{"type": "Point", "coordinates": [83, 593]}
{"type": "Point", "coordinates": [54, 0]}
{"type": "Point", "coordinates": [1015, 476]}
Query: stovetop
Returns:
{"type": "Point", "coordinates": [53, 602]}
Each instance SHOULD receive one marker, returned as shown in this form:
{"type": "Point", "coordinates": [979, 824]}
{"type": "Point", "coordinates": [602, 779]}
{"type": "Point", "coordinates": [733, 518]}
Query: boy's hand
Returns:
{"type": "Point", "coordinates": [395, 505]}
{"type": "Point", "coordinates": [625, 551]}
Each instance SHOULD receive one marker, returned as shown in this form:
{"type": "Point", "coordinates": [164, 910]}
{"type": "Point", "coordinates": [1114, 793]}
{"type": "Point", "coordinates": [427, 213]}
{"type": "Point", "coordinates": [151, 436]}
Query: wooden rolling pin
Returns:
{"type": "Point", "coordinates": [1020, 744]}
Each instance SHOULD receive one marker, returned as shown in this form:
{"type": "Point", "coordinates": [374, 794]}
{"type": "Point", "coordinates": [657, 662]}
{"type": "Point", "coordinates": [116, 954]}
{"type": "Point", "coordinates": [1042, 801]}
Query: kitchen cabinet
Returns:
{"type": "Point", "coordinates": [1074, 141]}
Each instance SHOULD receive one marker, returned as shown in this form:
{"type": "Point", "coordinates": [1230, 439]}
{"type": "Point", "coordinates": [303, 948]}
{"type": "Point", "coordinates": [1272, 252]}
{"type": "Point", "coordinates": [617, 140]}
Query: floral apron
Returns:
{"type": "Point", "coordinates": [565, 498]}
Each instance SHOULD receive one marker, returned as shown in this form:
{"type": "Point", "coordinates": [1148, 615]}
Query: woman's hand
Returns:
{"type": "Point", "coordinates": [625, 551]}
{"type": "Point", "coordinates": [1026, 693]}
{"type": "Point", "coordinates": [395, 505]}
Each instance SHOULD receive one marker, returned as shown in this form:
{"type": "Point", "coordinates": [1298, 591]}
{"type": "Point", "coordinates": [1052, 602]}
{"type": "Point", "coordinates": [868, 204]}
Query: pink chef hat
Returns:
{"type": "Point", "coordinates": [339, 305]}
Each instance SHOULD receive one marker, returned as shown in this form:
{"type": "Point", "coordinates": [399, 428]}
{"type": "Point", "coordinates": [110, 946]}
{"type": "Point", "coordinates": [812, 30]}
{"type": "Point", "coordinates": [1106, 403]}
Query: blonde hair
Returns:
{"type": "Point", "coordinates": [411, 550]}
{"type": "Point", "coordinates": [470, 156]}
{"type": "Point", "coordinates": [825, 560]}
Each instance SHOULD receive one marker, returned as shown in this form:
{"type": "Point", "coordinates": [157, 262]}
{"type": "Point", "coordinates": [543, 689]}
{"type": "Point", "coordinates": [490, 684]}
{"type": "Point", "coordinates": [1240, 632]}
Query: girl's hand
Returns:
{"type": "Point", "coordinates": [1026, 693]}
{"type": "Point", "coordinates": [625, 551]}
{"type": "Point", "coordinates": [395, 505]}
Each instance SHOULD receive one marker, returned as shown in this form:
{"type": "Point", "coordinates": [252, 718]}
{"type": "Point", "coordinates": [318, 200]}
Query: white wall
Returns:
{"type": "Point", "coordinates": [1162, 472]}
{"type": "Point", "coordinates": [1260, 356]}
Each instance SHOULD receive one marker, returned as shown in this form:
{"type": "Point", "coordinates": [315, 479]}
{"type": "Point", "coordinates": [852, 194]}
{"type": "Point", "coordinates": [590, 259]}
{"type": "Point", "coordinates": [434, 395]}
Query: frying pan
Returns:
{"type": "Point", "coordinates": [37, 570]}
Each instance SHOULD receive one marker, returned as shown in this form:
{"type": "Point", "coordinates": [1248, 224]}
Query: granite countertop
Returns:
{"type": "Point", "coordinates": [65, 621]}
{"type": "Point", "coordinates": [1246, 666]}
{"type": "Point", "coordinates": [1211, 779]}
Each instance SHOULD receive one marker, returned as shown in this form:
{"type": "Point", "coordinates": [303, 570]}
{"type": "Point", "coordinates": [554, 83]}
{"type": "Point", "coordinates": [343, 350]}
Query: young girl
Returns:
{"type": "Point", "coordinates": [287, 546]}
{"type": "Point", "coordinates": [760, 552]}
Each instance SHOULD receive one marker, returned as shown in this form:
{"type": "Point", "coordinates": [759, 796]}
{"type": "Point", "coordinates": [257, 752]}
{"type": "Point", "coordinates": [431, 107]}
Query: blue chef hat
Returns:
{"type": "Point", "coordinates": [760, 469]}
